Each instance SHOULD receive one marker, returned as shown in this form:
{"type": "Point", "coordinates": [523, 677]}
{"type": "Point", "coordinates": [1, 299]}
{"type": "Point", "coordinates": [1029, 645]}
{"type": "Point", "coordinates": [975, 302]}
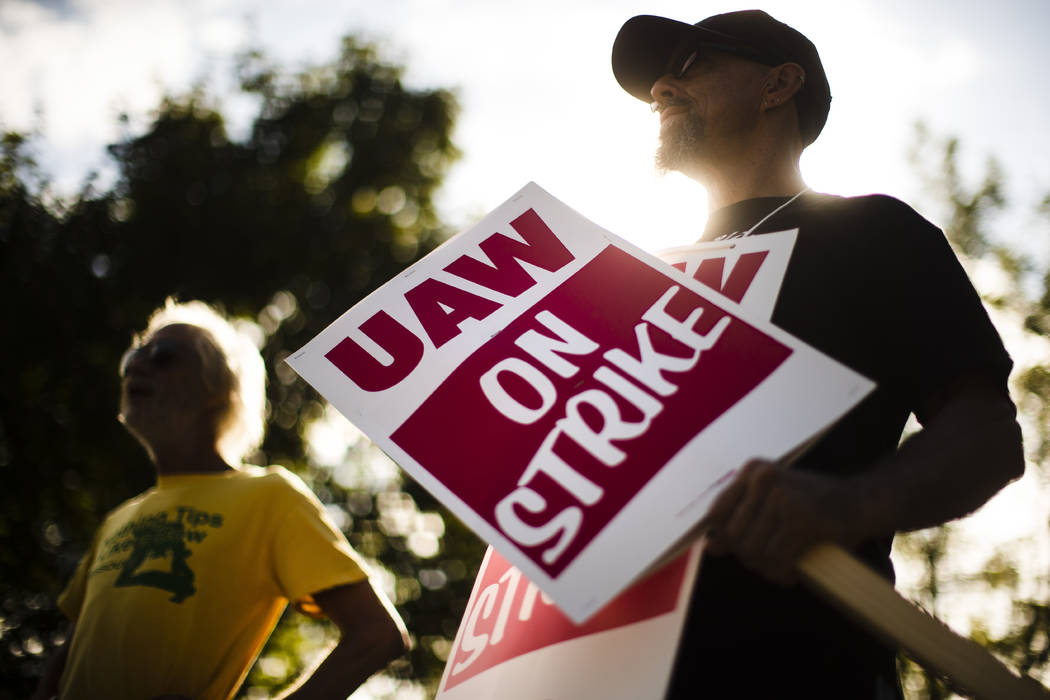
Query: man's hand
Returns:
{"type": "Point", "coordinates": [970, 447]}
{"type": "Point", "coordinates": [770, 515]}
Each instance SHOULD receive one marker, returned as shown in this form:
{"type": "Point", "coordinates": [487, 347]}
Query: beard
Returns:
{"type": "Point", "coordinates": [681, 143]}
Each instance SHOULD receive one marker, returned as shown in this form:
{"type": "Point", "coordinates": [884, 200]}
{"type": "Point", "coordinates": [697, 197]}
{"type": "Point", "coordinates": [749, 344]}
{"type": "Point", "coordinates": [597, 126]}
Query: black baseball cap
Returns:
{"type": "Point", "coordinates": [648, 47]}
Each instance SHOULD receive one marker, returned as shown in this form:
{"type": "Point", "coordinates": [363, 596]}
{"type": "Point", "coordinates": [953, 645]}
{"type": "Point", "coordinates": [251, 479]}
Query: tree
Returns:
{"type": "Point", "coordinates": [1011, 617]}
{"type": "Point", "coordinates": [328, 197]}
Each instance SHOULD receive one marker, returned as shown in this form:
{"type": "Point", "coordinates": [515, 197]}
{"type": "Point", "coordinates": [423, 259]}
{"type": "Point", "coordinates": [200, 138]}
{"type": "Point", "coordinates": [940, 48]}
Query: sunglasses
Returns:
{"type": "Point", "coordinates": [686, 62]}
{"type": "Point", "coordinates": [159, 353]}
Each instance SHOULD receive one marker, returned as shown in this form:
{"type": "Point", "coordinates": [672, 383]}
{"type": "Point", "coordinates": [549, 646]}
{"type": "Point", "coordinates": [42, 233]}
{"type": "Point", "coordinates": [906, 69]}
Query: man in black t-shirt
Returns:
{"type": "Point", "coordinates": [871, 284]}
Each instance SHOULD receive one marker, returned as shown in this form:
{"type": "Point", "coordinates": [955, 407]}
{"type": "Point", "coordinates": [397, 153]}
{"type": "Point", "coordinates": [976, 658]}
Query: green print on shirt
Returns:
{"type": "Point", "coordinates": [156, 537]}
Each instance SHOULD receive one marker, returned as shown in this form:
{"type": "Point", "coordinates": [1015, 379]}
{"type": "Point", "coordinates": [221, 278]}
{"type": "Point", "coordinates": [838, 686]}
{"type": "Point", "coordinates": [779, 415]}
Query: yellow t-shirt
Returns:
{"type": "Point", "coordinates": [184, 583]}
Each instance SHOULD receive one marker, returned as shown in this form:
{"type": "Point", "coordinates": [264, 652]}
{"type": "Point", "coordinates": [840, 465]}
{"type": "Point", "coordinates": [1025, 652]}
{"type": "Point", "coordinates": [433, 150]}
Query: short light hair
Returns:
{"type": "Point", "coordinates": [232, 366]}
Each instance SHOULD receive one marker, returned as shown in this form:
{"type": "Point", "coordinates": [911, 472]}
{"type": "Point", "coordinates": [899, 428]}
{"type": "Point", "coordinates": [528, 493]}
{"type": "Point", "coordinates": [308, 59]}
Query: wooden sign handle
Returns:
{"type": "Point", "coordinates": [852, 586]}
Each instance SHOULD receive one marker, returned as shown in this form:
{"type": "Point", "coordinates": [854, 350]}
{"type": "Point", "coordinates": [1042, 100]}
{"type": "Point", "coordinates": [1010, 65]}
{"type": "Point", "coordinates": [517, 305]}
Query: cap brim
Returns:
{"type": "Point", "coordinates": [645, 45]}
{"type": "Point", "coordinates": [642, 50]}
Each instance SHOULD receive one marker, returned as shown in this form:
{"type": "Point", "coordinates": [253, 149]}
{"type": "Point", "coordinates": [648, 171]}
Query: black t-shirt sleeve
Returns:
{"type": "Point", "coordinates": [937, 328]}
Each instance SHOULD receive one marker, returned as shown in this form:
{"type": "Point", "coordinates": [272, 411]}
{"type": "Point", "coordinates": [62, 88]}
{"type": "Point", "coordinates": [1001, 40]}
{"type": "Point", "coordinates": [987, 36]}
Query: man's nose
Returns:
{"type": "Point", "coordinates": [665, 86]}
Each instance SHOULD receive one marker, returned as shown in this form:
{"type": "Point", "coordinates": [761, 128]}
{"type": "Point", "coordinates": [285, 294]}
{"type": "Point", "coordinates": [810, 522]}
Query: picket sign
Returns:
{"type": "Point", "coordinates": [507, 651]}
{"type": "Point", "coordinates": [574, 400]}
{"type": "Point", "coordinates": [514, 644]}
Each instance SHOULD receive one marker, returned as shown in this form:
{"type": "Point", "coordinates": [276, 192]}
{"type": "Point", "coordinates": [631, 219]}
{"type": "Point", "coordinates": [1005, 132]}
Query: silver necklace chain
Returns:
{"type": "Point", "coordinates": [738, 234]}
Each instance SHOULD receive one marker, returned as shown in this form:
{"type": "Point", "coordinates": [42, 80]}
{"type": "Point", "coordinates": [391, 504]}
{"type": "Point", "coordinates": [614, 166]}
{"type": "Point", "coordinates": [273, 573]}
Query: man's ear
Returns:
{"type": "Point", "coordinates": [782, 82]}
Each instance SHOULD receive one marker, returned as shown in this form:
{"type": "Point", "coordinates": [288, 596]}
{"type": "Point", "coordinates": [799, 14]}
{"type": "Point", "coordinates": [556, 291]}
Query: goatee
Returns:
{"type": "Point", "coordinates": [681, 143]}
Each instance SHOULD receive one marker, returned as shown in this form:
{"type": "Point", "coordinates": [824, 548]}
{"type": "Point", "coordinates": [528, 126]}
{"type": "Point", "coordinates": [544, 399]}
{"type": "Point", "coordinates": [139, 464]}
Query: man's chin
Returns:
{"type": "Point", "coordinates": [680, 146]}
{"type": "Point", "coordinates": [669, 160]}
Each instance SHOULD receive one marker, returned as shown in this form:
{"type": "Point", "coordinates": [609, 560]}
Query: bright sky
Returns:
{"type": "Point", "coordinates": [538, 97]}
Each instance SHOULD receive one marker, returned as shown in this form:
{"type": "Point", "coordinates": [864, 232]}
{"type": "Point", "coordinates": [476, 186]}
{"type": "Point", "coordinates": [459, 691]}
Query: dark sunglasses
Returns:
{"type": "Point", "coordinates": [686, 61]}
{"type": "Point", "coordinates": [159, 353]}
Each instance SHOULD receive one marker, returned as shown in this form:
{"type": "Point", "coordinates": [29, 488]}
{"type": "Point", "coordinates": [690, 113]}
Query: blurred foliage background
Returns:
{"type": "Point", "coordinates": [328, 197]}
{"type": "Point", "coordinates": [988, 576]}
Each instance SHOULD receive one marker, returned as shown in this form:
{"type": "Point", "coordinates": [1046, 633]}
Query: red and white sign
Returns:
{"type": "Point", "coordinates": [573, 399]}
{"type": "Point", "coordinates": [748, 270]}
{"type": "Point", "coordinates": [514, 643]}
{"type": "Point", "coordinates": [504, 647]}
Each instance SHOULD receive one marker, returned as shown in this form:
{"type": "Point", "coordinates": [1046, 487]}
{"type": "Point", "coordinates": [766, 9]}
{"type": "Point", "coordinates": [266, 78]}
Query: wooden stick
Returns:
{"type": "Point", "coordinates": [854, 587]}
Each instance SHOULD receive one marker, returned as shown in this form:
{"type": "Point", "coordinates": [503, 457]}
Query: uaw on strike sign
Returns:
{"type": "Point", "coordinates": [514, 644]}
{"type": "Point", "coordinates": [573, 399]}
